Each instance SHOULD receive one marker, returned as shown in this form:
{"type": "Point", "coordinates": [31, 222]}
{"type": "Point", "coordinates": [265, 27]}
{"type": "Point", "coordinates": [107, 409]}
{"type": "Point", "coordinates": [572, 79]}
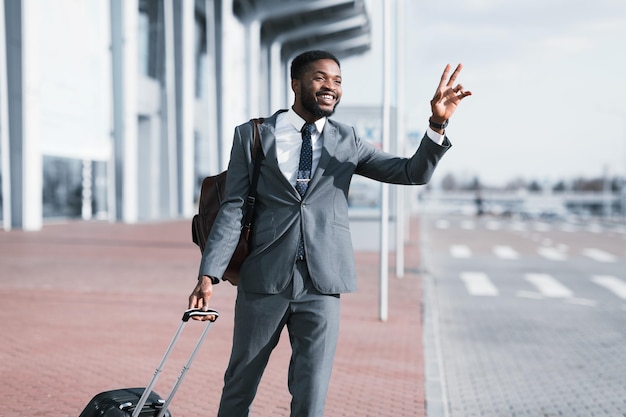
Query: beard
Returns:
{"type": "Point", "coordinates": [310, 104]}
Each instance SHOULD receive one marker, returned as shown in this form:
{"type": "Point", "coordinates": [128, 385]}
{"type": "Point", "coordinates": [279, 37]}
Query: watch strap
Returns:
{"type": "Point", "coordinates": [438, 126]}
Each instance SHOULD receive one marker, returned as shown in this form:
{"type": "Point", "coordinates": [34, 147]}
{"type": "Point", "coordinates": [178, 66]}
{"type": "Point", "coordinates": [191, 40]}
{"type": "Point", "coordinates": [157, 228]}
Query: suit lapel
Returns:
{"type": "Point", "coordinates": [330, 138]}
{"type": "Point", "coordinates": [268, 143]}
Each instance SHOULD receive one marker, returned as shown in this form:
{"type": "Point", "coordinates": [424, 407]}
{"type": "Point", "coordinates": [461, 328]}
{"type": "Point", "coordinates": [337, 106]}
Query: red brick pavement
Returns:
{"type": "Point", "coordinates": [88, 306]}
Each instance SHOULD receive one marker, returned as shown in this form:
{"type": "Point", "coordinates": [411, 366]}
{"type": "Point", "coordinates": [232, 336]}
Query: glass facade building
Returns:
{"type": "Point", "coordinates": [116, 110]}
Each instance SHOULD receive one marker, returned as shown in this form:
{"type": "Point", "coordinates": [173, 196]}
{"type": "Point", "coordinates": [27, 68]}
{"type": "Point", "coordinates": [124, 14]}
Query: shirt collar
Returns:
{"type": "Point", "coordinates": [298, 122]}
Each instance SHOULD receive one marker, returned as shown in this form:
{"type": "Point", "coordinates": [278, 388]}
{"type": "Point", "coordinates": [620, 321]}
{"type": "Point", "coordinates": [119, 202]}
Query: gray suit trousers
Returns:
{"type": "Point", "coordinates": [312, 320]}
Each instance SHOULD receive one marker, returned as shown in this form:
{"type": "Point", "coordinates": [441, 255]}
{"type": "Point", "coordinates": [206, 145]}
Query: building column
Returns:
{"type": "Point", "coordinates": [187, 73]}
{"type": "Point", "coordinates": [253, 67]}
{"type": "Point", "coordinates": [210, 91]}
{"type": "Point", "coordinates": [5, 160]}
{"type": "Point", "coordinates": [231, 76]}
{"type": "Point", "coordinates": [23, 84]}
{"type": "Point", "coordinates": [124, 60]}
{"type": "Point", "coordinates": [31, 122]}
{"type": "Point", "coordinates": [171, 120]}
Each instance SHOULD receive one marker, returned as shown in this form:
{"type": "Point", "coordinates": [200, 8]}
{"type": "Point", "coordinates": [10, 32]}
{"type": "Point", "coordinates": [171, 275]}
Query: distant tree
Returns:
{"type": "Point", "coordinates": [559, 187]}
{"type": "Point", "coordinates": [589, 185]}
{"type": "Point", "coordinates": [534, 187]}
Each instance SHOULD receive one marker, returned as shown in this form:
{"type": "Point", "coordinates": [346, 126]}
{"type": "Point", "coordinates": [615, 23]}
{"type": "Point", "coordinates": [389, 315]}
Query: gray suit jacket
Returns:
{"type": "Point", "coordinates": [322, 215]}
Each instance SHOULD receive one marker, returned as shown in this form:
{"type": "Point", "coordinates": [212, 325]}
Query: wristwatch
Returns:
{"type": "Point", "coordinates": [437, 125]}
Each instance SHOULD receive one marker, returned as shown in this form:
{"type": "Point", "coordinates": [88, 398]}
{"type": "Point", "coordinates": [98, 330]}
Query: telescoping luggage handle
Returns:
{"type": "Point", "coordinates": [194, 312]}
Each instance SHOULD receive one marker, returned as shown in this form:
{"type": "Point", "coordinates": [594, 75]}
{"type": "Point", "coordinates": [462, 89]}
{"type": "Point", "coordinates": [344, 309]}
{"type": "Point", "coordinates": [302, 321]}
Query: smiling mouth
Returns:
{"type": "Point", "coordinates": [326, 97]}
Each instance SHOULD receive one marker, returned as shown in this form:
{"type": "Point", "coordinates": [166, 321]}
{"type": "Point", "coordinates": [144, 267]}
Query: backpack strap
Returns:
{"type": "Point", "coordinates": [257, 151]}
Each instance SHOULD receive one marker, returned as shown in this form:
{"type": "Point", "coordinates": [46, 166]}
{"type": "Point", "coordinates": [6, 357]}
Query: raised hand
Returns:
{"type": "Point", "coordinates": [447, 97]}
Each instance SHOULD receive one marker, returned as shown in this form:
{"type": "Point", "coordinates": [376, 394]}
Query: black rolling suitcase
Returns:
{"type": "Point", "coordinates": [135, 402]}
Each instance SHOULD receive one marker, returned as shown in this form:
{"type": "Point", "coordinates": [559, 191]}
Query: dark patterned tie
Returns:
{"type": "Point", "coordinates": [304, 170]}
{"type": "Point", "coordinates": [306, 159]}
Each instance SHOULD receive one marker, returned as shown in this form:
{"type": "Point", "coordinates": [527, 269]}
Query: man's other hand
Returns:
{"type": "Point", "coordinates": [200, 296]}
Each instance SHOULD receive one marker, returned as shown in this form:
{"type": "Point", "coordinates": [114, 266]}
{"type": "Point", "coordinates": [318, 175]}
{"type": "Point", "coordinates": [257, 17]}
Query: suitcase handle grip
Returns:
{"type": "Point", "coordinates": [192, 312]}
{"type": "Point", "coordinates": [198, 312]}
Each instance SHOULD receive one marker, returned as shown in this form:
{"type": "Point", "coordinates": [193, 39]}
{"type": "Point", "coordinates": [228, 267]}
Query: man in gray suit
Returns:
{"type": "Point", "coordinates": [301, 256]}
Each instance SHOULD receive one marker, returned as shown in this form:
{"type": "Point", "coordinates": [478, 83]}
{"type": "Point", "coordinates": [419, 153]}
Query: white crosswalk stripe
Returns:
{"type": "Point", "coordinates": [442, 224]}
{"type": "Point", "coordinates": [493, 225]}
{"type": "Point", "coordinates": [519, 226]}
{"type": "Point", "coordinates": [613, 284]}
{"type": "Point", "coordinates": [595, 228]}
{"type": "Point", "coordinates": [552, 254]}
{"type": "Point", "coordinates": [505, 252]}
{"type": "Point", "coordinates": [548, 286]}
{"type": "Point", "coordinates": [468, 225]}
{"type": "Point", "coordinates": [599, 255]}
{"type": "Point", "coordinates": [460, 251]}
{"type": "Point", "coordinates": [542, 227]}
{"type": "Point", "coordinates": [569, 228]}
{"type": "Point", "coordinates": [478, 283]}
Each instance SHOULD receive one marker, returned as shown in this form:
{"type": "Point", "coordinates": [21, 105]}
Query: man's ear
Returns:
{"type": "Point", "coordinates": [295, 86]}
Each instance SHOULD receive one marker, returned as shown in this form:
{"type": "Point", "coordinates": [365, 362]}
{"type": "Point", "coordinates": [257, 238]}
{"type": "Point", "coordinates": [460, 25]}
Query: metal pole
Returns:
{"type": "Point", "coordinates": [114, 173]}
{"type": "Point", "coordinates": [384, 209]}
{"type": "Point", "coordinates": [606, 193]}
{"type": "Point", "coordinates": [401, 223]}
{"type": "Point", "coordinates": [87, 192]}
{"type": "Point", "coordinates": [623, 182]}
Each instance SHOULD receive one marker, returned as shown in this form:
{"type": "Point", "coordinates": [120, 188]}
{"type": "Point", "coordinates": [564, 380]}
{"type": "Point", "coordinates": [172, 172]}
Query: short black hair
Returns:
{"type": "Point", "coordinates": [301, 63]}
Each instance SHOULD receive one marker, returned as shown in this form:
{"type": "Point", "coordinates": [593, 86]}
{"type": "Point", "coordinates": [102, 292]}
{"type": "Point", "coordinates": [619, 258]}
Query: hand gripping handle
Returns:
{"type": "Point", "coordinates": [198, 312]}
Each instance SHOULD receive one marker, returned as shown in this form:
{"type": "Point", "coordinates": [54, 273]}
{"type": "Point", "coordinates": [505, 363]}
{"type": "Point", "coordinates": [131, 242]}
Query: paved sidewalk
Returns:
{"type": "Point", "coordinates": [89, 306]}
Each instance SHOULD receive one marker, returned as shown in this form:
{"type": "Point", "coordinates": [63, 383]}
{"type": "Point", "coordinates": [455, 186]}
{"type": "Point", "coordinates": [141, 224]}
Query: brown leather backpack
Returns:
{"type": "Point", "coordinates": [211, 196]}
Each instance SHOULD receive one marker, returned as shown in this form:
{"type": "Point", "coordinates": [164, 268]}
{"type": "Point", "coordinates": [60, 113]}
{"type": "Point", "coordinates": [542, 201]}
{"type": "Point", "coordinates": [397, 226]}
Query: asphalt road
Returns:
{"type": "Point", "coordinates": [524, 318]}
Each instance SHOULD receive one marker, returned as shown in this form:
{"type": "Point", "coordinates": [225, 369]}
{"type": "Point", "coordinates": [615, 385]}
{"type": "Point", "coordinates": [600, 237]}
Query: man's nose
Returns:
{"type": "Point", "coordinates": [329, 85]}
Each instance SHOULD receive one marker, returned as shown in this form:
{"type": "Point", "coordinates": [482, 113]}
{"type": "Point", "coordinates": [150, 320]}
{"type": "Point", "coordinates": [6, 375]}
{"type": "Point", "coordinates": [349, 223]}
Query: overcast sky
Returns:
{"type": "Point", "coordinates": [548, 77]}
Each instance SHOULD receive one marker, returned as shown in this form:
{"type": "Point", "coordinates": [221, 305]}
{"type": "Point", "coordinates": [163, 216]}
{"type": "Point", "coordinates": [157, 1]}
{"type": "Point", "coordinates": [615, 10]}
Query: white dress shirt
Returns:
{"type": "Point", "coordinates": [289, 141]}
